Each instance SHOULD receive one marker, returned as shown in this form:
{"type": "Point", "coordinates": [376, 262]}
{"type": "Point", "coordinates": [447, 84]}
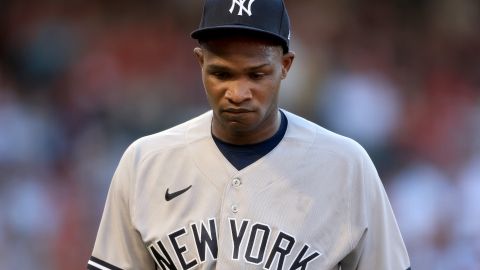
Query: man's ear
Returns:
{"type": "Point", "coordinates": [287, 60]}
{"type": "Point", "coordinates": [199, 54]}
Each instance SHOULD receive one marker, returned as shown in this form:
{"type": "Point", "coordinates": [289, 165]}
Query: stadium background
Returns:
{"type": "Point", "coordinates": [80, 80]}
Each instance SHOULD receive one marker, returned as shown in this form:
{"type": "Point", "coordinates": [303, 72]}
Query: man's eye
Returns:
{"type": "Point", "coordinates": [221, 75]}
{"type": "Point", "coordinates": [257, 75]}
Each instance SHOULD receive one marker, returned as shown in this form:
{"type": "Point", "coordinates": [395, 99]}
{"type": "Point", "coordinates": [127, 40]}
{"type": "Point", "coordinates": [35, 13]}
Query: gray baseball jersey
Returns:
{"type": "Point", "coordinates": [313, 202]}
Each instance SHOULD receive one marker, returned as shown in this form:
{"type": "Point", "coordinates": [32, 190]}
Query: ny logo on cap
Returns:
{"type": "Point", "coordinates": [241, 7]}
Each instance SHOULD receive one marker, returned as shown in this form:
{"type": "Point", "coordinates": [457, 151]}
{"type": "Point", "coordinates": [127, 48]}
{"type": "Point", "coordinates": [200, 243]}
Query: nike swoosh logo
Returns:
{"type": "Point", "coordinates": [173, 195]}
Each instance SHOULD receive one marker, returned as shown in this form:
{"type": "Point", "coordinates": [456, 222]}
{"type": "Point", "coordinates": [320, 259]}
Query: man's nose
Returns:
{"type": "Point", "coordinates": [239, 91]}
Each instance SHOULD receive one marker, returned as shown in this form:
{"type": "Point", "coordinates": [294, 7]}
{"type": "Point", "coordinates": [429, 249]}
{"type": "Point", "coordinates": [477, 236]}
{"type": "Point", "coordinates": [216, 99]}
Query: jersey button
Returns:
{"type": "Point", "coordinates": [236, 182]}
{"type": "Point", "coordinates": [234, 208]}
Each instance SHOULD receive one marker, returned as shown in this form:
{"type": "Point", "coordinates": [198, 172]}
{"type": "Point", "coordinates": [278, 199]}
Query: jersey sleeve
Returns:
{"type": "Point", "coordinates": [118, 244]}
{"type": "Point", "coordinates": [379, 244]}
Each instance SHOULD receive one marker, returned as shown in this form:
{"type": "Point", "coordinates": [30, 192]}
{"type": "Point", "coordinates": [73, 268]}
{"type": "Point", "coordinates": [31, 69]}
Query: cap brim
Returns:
{"type": "Point", "coordinates": [211, 32]}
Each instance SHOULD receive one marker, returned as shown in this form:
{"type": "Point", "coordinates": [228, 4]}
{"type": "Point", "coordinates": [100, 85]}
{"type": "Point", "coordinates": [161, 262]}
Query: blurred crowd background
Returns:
{"type": "Point", "coordinates": [81, 80]}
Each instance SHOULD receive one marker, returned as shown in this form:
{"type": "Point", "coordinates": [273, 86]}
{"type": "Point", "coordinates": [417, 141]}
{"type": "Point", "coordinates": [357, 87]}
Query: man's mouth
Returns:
{"type": "Point", "coordinates": [236, 110]}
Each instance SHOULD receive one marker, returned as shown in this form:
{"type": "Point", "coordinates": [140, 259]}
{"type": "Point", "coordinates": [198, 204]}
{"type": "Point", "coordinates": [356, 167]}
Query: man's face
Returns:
{"type": "Point", "coordinates": [242, 79]}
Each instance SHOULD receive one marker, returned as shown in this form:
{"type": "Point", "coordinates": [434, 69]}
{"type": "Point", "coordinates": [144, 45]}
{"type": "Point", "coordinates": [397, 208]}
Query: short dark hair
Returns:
{"type": "Point", "coordinates": [227, 34]}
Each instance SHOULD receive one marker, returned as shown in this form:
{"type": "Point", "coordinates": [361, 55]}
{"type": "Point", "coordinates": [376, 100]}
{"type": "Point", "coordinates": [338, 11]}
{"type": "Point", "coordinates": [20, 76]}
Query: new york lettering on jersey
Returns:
{"type": "Point", "coordinates": [248, 244]}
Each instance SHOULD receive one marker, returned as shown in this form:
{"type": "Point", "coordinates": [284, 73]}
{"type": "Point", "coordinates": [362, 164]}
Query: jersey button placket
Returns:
{"type": "Point", "coordinates": [236, 183]}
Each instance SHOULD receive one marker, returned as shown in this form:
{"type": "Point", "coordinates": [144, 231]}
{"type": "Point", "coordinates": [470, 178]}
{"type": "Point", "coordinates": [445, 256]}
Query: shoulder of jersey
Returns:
{"type": "Point", "coordinates": [172, 138]}
{"type": "Point", "coordinates": [326, 141]}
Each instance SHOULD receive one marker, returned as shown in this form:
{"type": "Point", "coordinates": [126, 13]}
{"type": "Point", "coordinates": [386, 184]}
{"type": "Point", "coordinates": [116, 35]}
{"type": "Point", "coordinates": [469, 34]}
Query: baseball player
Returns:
{"type": "Point", "coordinates": [246, 185]}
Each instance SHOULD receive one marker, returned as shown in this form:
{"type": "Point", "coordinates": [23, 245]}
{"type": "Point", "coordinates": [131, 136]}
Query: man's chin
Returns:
{"type": "Point", "coordinates": [236, 123]}
{"type": "Point", "coordinates": [237, 119]}
{"type": "Point", "coordinates": [239, 126]}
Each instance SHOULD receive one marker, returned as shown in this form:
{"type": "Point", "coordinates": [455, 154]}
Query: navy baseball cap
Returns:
{"type": "Point", "coordinates": [268, 18]}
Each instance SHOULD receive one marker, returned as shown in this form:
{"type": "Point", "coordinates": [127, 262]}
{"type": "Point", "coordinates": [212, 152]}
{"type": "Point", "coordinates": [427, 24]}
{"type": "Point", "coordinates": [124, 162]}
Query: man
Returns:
{"type": "Point", "coordinates": [246, 185]}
